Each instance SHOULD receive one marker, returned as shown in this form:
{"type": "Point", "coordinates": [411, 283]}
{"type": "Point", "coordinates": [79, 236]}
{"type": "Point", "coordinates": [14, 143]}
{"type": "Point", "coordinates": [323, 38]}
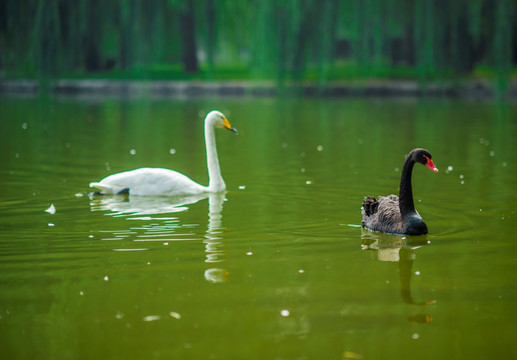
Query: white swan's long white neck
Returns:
{"type": "Point", "coordinates": [216, 182]}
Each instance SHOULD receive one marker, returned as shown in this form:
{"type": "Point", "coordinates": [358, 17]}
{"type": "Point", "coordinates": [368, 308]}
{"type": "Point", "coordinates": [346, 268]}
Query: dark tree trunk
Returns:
{"type": "Point", "coordinates": [125, 22]}
{"type": "Point", "coordinates": [92, 39]}
{"type": "Point", "coordinates": [188, 38]}
{"type": "Point", "coordinates": [211, 36]}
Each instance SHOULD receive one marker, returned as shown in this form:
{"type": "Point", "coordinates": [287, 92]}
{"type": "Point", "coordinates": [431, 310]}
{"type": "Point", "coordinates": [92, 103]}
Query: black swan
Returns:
{"type": "Point", "coordinates": [396, 214]}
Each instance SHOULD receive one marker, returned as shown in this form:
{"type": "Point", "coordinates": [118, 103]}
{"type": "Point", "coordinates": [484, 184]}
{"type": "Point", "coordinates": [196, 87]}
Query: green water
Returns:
{"type": "Point", "coordinates": [276, 268]}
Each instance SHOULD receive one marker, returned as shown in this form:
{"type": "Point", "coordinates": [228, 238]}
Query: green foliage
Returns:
{"type": "Point", "coordinates": [283, 41]}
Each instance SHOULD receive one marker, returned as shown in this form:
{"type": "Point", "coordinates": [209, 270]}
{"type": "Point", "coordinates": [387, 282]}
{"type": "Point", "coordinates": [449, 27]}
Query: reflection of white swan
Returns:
{"type": "Point", "coordinates": [213, 232]}
{"type": "Point", "coordinates": [213, 239]}
{"type": "Point", "coordinates": [159, 181]}
{"type": "Point", "coordinates": [216, 275]}
{"type": "Point", "coordinates": [165, 228]}
{"type": "Point", "coordinates": [141, 206]}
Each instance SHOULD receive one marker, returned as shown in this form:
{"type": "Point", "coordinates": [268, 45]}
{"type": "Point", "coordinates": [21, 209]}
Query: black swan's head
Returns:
{"type": "Point", "coordinates": [423, 157]}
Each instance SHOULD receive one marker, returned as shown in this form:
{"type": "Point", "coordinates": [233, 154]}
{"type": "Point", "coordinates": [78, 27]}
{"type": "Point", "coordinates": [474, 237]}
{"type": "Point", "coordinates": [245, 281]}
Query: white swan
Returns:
{"type": "Point", "coordinates": [159, 182]}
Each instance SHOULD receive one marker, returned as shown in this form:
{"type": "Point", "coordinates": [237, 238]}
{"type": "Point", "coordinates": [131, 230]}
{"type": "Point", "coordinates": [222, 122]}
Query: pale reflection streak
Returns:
{"type": "Point", "coordinates": [165, 229]}
{"type": "Point", "coordinates": [401, 249]}
{"type": "Point", "coordinates": [214, 240]}
{"type": "Point", "coordinates": [142, 207]}
{"type": "Point", "coordinates": [213, 234]}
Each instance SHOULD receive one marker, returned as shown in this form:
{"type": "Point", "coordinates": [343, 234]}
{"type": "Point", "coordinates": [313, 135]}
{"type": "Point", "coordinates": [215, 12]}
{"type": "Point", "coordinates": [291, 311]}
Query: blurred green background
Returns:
{"type": "Point", "coordinates": [283, 41]}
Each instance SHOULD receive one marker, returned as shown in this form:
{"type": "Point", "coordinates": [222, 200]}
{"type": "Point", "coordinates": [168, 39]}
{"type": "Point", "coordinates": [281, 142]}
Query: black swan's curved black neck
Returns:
{"type": "Point", "coordinates": [406, 205]}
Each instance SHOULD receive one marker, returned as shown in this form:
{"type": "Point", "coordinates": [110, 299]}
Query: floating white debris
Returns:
{"type": "Point", "coordinates": [415, 336]}
{"type": "Point", "coordinates": [172, 151]}
{"type": "Point", "coordinates": [51, 209]}
{"type": "Point", "coordinates": [175, 315]}
{"type": "Point", "coordinates": [152, 317]}
{"type": "Point", "coordinates": [132, 151]}
{"type": "Point", "coordinates": [51, 224]}
{"type": "Point", "coordinates": [165, 243]}
{"type": "Point", "coordinates": [242, 187]}
{"type": "Point", "coordinates": [449, 168]}
{"type": "Point", "coordinates": [417, 272]}
{"type": "Point", "coordinates": [285, 313]}
{"type": "Point", "coordinates": [24, 126]}
{"type": "Point", "coordinates": [81, 293]}
{"type": "Point", "coordinates": [301, 271]}
{"type": "Point", "coordinates": [106, 278]}
{"type": "Point", "coordinates": [131, 249]}
{"type": "Point", "coordinates": [308, 182]}
{"type": "Point", "coordinates": [79, 195]}
{"type": "Point", "coordinates": [249, 253]}
{"type": "Point", "coordinates": [320, 148]}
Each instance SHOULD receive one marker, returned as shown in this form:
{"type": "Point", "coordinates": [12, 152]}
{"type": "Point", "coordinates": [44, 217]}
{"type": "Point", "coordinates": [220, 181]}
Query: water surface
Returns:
{"type": "Point", "coordinates": [278, 267]}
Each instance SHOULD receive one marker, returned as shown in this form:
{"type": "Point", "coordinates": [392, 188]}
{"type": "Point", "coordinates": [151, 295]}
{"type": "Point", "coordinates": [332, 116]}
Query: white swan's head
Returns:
{"type": "Point", "coordinates": [217, 119]}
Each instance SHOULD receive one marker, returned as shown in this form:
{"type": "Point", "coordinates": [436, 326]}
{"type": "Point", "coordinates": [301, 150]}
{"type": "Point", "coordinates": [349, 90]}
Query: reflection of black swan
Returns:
{"type": "Point", "coordinates": [407, 257]}
{"type": "Point", "coordinates": [397, 214]}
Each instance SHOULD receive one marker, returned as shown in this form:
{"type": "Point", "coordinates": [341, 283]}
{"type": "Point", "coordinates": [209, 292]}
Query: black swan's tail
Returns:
{"type": "Point", "coordinates": [370, 205]}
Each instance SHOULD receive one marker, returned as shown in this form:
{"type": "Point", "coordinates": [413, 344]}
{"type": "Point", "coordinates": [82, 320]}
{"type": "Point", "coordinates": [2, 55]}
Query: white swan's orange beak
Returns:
{"type": "Point", "coordinates": [226, 125]}
{"type": "Point", "coordinates": [430, 164]}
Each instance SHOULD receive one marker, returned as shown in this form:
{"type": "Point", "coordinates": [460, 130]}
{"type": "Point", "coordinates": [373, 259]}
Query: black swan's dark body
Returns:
{"type": "Point", "coordinates": [396, 214]}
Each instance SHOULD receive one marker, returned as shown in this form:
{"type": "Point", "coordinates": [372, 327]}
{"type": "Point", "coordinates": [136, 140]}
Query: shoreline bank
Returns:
{"type": "Point", "coordinates": [137, 88]}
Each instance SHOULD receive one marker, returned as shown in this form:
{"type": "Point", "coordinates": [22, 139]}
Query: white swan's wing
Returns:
{"type": "Point", "coordinates": [149, 182]}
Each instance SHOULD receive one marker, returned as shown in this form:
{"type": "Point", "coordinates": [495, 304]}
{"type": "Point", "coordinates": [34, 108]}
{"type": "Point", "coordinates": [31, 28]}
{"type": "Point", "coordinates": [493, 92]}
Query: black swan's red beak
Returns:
{"type": "Point", "coordinates": [430, 164]}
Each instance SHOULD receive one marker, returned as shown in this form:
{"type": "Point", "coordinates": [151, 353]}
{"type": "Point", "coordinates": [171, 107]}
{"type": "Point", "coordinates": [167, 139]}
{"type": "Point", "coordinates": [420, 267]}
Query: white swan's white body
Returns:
{"type": "Point", "coordinates": [164, 182]}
